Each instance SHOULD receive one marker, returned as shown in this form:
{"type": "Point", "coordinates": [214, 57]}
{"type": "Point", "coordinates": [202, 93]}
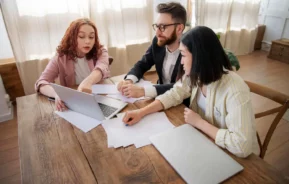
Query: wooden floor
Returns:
{"type": "Point", "coordinates": [9, 152]}
{"type": "Point", "coordinates": [254, 67]}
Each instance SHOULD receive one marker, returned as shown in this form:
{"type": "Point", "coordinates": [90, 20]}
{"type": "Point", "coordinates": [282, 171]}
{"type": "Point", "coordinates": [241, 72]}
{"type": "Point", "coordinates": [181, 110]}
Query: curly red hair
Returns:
{"type": "Point", "coordinates": [68, 43]}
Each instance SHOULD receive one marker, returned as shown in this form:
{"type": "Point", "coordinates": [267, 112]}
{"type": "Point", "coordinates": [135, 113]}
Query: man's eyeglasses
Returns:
{"type": "Point", "coordinates": [162, 27]}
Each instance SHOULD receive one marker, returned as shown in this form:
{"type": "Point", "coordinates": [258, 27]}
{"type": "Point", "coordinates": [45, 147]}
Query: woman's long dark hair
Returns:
{"type": "Point", "coordinates": [209, 57]}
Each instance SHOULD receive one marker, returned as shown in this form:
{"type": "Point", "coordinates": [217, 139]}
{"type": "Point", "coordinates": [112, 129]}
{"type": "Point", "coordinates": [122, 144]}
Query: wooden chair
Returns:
{"type": "Point", "coordinates": [110, 59]}
{"type": "Point", "coordinates": [277, 97]}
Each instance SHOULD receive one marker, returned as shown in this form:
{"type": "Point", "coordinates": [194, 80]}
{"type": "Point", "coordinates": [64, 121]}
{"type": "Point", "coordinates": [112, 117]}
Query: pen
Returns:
{"type": "Point", "coordinates": [51, 99]}
{"type": "Point", "coordinates": [128, 120]}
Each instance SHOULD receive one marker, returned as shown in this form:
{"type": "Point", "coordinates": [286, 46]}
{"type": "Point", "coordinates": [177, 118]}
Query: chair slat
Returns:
{"type": "Point", "coordinates": [277, 97]}
{"type": "Point", "coordinates": [268, 112]}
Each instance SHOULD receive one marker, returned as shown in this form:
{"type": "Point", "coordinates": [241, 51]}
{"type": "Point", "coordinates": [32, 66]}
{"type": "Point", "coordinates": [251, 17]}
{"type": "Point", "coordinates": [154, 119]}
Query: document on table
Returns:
{"type": "Point", "coordinates": [112, 88]}
{"type": "Point", "coordinates": [141, 83]}
{"type": "Point", "coordinates": [84, 123]}
{"type": "Point", "coordinates": [124, 98]}
{"type": "Point", "coordinates": [104, 89]}
{"type": "Point", "coordinates": [120, 135]}
{"type": "Point", "coordinates": [130, 100]}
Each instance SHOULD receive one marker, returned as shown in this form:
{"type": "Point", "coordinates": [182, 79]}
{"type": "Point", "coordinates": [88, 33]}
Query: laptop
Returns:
{"type": "Point", "coordinates": [194, 157]}
{"type": "Point", "coordinates": [96, 106]}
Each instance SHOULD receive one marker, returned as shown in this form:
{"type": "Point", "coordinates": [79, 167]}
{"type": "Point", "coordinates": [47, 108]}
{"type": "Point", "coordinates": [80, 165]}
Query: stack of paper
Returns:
{"type": "Point", "coordinates": [125, 99]}
{"type": "Point", "coordinates": [119, 96]}
{"type": "Point", "coordinates": [104, 89]}
{"type": "Point", "coordinates": [111, 91]}
{"type": "Point", "coordinates": [120, 135]}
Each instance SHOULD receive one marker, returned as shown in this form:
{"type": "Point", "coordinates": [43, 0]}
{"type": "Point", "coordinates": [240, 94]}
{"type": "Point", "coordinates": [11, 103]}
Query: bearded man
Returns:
{"type": "Point", "coordinates": [164, 53]}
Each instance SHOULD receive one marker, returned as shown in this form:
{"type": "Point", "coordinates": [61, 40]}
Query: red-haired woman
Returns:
{"type": "Point", "coordinates": [80, 60]}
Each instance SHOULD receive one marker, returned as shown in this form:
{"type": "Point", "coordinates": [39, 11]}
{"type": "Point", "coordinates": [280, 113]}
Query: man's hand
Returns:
{"type": "Point", "coordinates": [133, 91]}
{"type": "Point", "coordinates": [122, 83]}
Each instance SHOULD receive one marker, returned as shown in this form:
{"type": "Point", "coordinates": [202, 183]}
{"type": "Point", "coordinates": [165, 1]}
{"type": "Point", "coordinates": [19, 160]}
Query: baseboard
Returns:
{"type": "Point", "coordinates": [8, 116]}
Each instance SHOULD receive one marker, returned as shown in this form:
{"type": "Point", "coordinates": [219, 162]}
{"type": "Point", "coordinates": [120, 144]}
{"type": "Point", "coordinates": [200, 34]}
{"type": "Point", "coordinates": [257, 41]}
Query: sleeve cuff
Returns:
{"type": "Point", "coordinates": [150, 91]}
{"type": "Point", "coordinates": [132, 77]}
{"type": "Point", "coordinates": [164, 100]}
{"type": "Point", "coordinates": [221, 137]}
{"type": "Point", "coordinates": [104, 70]}
{"type": "Point", "coordinates": [38, 84]}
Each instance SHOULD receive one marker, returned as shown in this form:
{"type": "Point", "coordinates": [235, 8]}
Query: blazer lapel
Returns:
{"type": "Point", "coordinates": [159, 63]}
{"type": "Point", "coordinates": [175, 71]}
{"type": "Point", "coordinates": [69, 73]}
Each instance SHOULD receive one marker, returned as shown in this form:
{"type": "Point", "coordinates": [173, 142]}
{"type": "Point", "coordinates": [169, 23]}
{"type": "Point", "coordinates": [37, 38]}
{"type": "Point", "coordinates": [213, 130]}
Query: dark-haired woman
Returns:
{"type": "Point", "coordinates": [220, 104]}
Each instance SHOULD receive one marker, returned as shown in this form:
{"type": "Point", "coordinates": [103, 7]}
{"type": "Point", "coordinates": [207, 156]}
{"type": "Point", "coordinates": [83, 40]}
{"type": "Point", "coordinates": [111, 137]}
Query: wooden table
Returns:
{"type": "Point", "coordinates": [54, 151]}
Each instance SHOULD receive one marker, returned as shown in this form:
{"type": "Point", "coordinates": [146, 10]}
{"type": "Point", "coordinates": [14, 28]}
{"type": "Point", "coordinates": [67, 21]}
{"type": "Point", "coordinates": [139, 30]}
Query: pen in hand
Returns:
{"type": "Point", "coordinates": [51, 99]}
{"type": "Point", "coordinates": [128, 120]}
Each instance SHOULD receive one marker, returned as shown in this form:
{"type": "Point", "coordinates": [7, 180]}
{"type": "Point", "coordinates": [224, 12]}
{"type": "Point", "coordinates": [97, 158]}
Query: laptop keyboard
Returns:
{"type": "Point", "coordinates": [107, 110]}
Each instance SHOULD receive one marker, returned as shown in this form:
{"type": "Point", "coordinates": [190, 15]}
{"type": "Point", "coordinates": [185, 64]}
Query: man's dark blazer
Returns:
{"type": "Point", "coordinates": [155, 56]}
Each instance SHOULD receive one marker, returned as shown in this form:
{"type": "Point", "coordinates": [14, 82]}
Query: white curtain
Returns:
{"type": "Point", "coordinates": [235, 20]}
{"type": "Point", "coordinates": [36, 27]}
{"type": "Point", "coordinates": [124, 26]}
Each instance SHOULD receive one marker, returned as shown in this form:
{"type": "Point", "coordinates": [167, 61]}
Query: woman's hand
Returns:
{"type": "Point", "coordinates": [59, 104]}
{"type": "Point", "coordinates": [132, 117]}
{"type": "Point", "coordinates": [84, 87]}
{"type": "Point", "coordinates": [196, 121]}
{"type": "Point", "coordinates": [192, 118]}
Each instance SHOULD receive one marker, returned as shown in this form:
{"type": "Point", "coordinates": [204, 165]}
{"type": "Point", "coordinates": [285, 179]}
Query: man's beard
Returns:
{"type": "Point", "coordinates": [169, 40]}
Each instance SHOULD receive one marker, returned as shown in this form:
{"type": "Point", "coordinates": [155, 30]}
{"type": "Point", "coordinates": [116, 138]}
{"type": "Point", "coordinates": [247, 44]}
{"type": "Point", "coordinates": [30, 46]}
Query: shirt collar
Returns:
{"type": "Point", "coordinates": [177, 51]}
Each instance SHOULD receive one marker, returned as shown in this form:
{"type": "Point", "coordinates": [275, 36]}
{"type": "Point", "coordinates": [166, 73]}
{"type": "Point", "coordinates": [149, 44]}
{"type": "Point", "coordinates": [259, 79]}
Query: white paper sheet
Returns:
{"type": "Point", "coordinates": [125, 99]}
{"type": "Point", "coordinates": [142, 142]}
{"type": "Point", "coordinates": [120, 115]}
{"type": "Point", "coordinates": [141, 83]}
{"type": "Point", "coordinates": [84, 123]}
{"type": "Point", "coordinates": [109, 138]}
{"type": "Point", "coordinates": [112, 88]}
{"type": "Point", "coordinates": [111, 91]}
{"type": "Point", "coordinates": [104, 89]}
{"type": "Point", "coordinates": [121, 135]}
{"type": "Point", "coordinates": [130, 100]}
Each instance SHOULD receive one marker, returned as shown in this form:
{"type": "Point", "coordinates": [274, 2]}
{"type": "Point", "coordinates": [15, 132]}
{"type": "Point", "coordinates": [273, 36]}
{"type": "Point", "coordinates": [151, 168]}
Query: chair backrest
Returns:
{"type": "Point", "coordinates": [110, 59]}
{"type": "Point", "coordinates": [277, 97]}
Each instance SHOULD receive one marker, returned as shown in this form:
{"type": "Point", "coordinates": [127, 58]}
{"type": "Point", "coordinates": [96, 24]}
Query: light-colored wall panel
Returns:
{"type": "Point", "coordinates": [277, 5]}
{"type": "Point", "coordinates": [286, 30]}
{"type": "Point", "coordinates": [5, 47]}
{"type": "Point", "coordinates": [274, 14]}
{"type": "Point", "coordinates": [274, 26]}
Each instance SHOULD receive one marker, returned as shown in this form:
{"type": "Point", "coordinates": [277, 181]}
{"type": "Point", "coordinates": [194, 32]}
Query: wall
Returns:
{"type": "Point", "coordinates": [5, 47]}
{"type": "Point", "coordinates": [275, 15]}
{"type": "Point", "coordinates": [8, 69]}
{"type": "Point", "coordinates": [131, 54]}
